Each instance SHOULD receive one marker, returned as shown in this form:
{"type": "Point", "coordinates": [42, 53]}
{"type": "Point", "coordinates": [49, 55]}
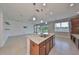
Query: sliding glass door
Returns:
{"type": "Point", "coordinates": [41, 28]}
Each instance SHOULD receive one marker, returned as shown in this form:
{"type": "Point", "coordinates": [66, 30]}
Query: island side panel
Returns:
{"type": "Point", "coordinates": [34, 48]}
{"type": "Point", "coordinates": [28, 46]}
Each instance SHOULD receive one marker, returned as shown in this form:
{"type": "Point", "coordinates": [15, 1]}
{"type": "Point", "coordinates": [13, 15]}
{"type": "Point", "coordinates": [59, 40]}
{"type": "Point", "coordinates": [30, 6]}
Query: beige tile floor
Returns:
{"type": "Point", "coordinates": [17, 46]}
{"type": "Point", "coordinates": [14, 45]}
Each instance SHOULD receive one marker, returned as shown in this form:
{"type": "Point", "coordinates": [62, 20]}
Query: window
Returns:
{"type": "Point", "coordinates": [41, 29]}
{"type": "Point", "coordinates": [62, 27]}
{"type": "Point", "coordinates": [57, 25]}
{"type": "Point", "coordinates": [64, 24]}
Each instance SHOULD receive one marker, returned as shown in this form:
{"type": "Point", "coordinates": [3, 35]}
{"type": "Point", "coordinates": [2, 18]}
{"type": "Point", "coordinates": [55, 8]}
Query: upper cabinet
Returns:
{"type": "Point", "coordinates": [75, 25]}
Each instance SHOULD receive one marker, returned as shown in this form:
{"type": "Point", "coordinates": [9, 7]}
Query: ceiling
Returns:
{"type": "Point", "coordinates": [24, 12]}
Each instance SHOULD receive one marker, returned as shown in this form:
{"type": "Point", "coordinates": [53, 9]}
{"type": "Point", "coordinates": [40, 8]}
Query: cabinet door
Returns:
{"type": "Point", "coordinates": [42, 50]}
{"type": "Point", "coordinates": [75, 26]}
{"type": "Point", "coordinates": [34, 48]}
{"type": "Point", "coordinates": [51, 43]}
{"type": "Point", "coordinates": [47, 47]}
{"type": "Point", "coordinates": [78, 44]}
{"type": "Point", "coordinates": [75, 22]}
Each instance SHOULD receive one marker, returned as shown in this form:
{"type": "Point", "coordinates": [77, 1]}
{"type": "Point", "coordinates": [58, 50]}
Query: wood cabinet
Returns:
{"type": "Point", "coordinates": [75, 30]}
{"type": "Point", "coordinates": [34, 48]}
{"type": "Point", "coordinates": [75, 40]}
{"type": "Point", "coordinates": [43, 48]}
{"type": "Point", "coordinates": [75, 25]}
{"type": "Point", "coordinates": [47, 46]}
{"type": "Point", "coordinates": [51, 43]}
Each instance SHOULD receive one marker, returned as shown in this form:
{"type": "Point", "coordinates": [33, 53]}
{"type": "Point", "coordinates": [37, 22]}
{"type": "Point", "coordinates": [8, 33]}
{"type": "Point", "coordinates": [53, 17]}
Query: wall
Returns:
{"type": "Point", "coordinates": [14, 29]}
{"type": "Point", "coordinates": [17, 28]}
{"type": "Point", "coordinates": [62, 34]}
{"type": "Point", "coordinates": [2, 32]}
{"type": "Point", "coordinates": [58, 34]}
{"type": "Point", "coordinates": [51, 27]}
{"type": "Point", "coordinates": [1, 29]}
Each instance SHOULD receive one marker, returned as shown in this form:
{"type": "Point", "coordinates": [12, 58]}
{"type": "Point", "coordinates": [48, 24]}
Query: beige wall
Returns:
{"type": "Point", "coordinates": [62, 34]}
{"type": "Point", "coordinates": [51, 27]}
{"type": "Point", "coordinates": [2, 32]}
{"type": "Point", "coordinates": [16, 28]}
{"type": "Point", "coordinates": [58, 34]}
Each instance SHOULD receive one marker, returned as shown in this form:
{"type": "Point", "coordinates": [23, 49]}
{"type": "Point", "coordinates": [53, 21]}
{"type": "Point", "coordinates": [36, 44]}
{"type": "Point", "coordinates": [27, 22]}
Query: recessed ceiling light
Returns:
{"type": "Point", "coordinates": [44, 4]}
{"type": "Point", "coordinates": [72, 4]}
{"type": "Point", "coordinates": [41, 21]}
{"type": "Point", "coordinates": [34, 18]}
{"type": "Point", "coordinates": [45, 22]}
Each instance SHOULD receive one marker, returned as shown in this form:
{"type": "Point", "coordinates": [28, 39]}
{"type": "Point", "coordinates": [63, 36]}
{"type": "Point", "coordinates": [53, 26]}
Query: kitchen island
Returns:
{"type": "Point", "coordinates": [40, 45]}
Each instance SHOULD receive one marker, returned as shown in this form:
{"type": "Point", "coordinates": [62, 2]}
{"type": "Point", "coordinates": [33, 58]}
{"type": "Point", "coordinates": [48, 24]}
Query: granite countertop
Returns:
{"type": "Point", "coordinates": [37, 39]}
{"type": "Point", "coordinates": [76, 35]}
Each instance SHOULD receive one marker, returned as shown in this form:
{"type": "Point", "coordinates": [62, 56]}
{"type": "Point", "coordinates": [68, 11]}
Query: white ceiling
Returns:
{"type": "Point", "coordinates": [25, 11]}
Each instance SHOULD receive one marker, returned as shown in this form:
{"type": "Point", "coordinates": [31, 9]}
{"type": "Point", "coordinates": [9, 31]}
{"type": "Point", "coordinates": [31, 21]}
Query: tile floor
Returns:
{"type": "Point", "coordinates": [64, 46]}
{"type": "Point", "coordinates": [17, 46]}
{"type": "Point", "coordinates": [14, 45]}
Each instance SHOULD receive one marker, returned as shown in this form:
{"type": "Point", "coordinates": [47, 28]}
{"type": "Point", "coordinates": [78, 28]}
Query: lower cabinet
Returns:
{"type": "Point", "coordinates": [47, 46]}
{"type": "Point", "coordinates": [42, 48]}
{"type": "Point", "coordinates": [75, 40]}
{"type": "Point", "coordinates": [34, 48]}
{"type": "Point", "coordinates": [51, 43]}
{"type": "Point", "coordinates": [78, 44]}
